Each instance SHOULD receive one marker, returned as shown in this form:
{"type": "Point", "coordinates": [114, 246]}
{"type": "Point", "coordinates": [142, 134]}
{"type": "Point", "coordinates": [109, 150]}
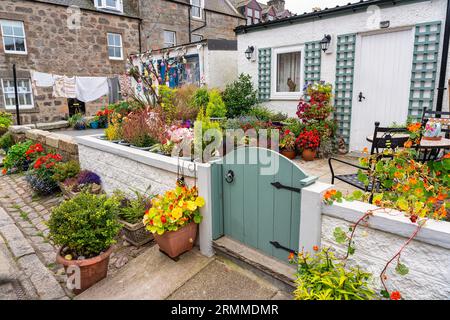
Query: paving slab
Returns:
{"type": "Point", "coordinates": [16, 241]}
{"type": "Point", "coordinates": [5, 219]}
{"type": "Point", "coordinates": [7, 273]}
{"type": "Point", "coordinates": [224, 280]}
{"type": "Point", "coordinates": [151, 276]}
{"type": "Point", "coordinates": [46, 285]}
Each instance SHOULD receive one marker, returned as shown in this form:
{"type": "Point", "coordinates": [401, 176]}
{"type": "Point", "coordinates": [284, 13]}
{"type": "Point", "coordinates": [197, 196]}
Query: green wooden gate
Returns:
{"type": "Point", "coordinates": [255, 205]}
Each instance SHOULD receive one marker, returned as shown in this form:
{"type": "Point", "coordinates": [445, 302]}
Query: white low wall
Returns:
{"type": "Point", "coordinates": [127, 169]}
{"type": "Point", "coordinates": [427, 257]}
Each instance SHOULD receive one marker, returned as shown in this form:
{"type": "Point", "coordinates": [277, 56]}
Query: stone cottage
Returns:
{"type": "Point", "coordinates": [93, 39]}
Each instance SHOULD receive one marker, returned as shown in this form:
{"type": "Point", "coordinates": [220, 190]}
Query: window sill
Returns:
{"type": "Point", "coordinates": [295, 97]}
{"type": "Point", "coordinates": [14, 53]}
{"type": "Point", "coordinates": [116, 59]}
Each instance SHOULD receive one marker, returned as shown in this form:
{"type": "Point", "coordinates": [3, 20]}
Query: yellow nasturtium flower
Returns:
{"type": "Point", "coordinates": [191, 205]}
{"type": "Point", "coordinates": [177, 213]}
{"type": "Point", "coordinates": [200, 202]}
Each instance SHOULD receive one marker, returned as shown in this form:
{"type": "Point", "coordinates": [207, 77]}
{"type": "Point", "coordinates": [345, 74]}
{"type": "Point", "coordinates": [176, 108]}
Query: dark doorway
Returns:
{"type": "Point", "coordinates": [76, 106]}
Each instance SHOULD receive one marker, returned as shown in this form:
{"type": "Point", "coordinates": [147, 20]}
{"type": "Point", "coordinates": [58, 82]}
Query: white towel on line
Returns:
{"type": "Point", "coordinates": [91, 88]}
{"type": "Point", "coordinates": [41, 79]}
{"type": "Point", "coordinates": [64, 87]}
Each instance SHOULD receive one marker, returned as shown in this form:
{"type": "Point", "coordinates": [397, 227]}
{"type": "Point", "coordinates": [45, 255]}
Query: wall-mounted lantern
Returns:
{"type": "Point", "coordinates": [249, 52]}
{"type": "Point", "coordinates": [325, 42]}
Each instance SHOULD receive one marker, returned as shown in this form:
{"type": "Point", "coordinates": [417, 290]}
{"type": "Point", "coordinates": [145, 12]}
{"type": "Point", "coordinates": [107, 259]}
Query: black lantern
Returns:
{"type": "Point", "coordinates": [325, 42]}
{"type": "Point", "coordinates": [249, 52]}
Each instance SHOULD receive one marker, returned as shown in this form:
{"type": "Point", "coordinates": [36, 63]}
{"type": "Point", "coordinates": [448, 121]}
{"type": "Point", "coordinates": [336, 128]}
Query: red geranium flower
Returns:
{"type": "Point", "coordinates": [395, 295]}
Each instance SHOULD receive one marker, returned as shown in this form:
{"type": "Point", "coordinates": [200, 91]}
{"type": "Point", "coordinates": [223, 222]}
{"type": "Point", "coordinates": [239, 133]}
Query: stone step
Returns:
{"type": "Point", "coordinates": [280, 274]}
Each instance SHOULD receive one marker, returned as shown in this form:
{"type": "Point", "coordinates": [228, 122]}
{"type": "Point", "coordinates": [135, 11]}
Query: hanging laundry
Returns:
{"type": "Point", "coordinates": [91, 88]}
{"type": "Point", "coordinates": [41, 79]}
{"type": "Point", "coordinates": [64, 87]}
{"type": "Point", "coordinates": [114, 90]}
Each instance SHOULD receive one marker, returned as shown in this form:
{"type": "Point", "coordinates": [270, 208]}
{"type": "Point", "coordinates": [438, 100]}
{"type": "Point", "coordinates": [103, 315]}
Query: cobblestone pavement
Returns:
{"type": "Point", "coordinates": [27, 257]}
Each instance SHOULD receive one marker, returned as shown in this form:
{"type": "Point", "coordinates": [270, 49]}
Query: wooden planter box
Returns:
{"type": "Point", "coordinates": [136, 234]}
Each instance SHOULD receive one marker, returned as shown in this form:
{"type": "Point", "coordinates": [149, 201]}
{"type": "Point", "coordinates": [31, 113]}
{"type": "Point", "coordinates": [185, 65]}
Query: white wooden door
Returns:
{"type": "Point", "coordinates": [382, 74]}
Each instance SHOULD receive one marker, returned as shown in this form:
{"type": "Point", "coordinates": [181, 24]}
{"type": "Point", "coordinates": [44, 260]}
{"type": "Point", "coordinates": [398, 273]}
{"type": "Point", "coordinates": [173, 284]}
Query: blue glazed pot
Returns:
{"type": "Point", "coordinates": [94, 124]}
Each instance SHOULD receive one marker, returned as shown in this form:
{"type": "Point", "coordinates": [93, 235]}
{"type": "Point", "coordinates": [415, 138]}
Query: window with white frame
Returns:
{"type": "Point", "coordinates": [196, 38]}
{"type": "Point", "coordinates": [287, 67]}
{"type": "Point", "coordinates": [170, 39]}
{"type": "Point", "coordinates": [115, 50]}
{"type": "Point", "coordinates": [197, 9]}
{"type": "Point", "coordinates": [13, 33]}
{"type": "Point", "coordinates": [24, 92]}
{"type": "Point", "coordinates": [116, 5]}
{"type": "Point", "coordinates": [249, 16]}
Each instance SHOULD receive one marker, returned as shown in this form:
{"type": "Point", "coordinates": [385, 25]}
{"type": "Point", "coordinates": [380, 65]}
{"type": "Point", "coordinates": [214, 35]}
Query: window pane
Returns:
{"type": "Point", "coordinates": [111, 3]}
{"type": "Point", "coordinates": [249, 20]}
{"type": "Point", "coordinates": [9, 43]}
{"type": "Point", "coordinates": [288, 72]}
{"type": "Point", "coordinates": [118, 41]}
{"type": "Point", "coordinates": [117, 53]}
{"type": "Point", "coordinates": [7, 30]}
{"type": "Point", "coordinates": [111, 52]}
{"type": "Point", "coordinates": [257, 14]}
{"type": "Point", "coordinates": [18, 31]}
{"type": "Point", "coordinates": [249, 12]}
{"type": "Point", "coordinates": [196, 3]}
{"type": "Point", "coordinates": [28, 99]}
{"type": "Point", "coordinates": [22, 100]}
{"type": "Point", "coordinates": [110, 39]}
{"type": "Point", "coordinates": [20, 44]}
{"type": "Point", "coordinates": [196, 12]}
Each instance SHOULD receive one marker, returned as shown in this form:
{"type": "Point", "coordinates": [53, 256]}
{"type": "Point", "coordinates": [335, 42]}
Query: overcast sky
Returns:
{"type": "Point", "coordinates": [300, 6]}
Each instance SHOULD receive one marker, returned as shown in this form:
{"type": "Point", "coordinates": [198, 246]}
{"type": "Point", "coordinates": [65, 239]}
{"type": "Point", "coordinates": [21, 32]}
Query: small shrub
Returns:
{"type": "Point", "coordinates": [185, 109]}
{"type": "Point", "coordinates": [216, 107]}
{"type": "Point", "coordinates": [86, 225]}
{"type": "Point", "coordinates": [77, 121]}
{"type": "Point", "coordinates": [6, 141]}
{"type": "Point", "coordinates": [5, 121]}
{"type": "Point", "coordinates": [114, 132]}
{"type": "Point", "coordinates": [201, 98]}
{"type": "Point", "coordinates": [240, 96]}
{"type": "Point", "coordinates": [144, 128]}
{"type": "Point", "coordinates": [66, 170]}
{"type": "Point", "coordinates": [167, 102]}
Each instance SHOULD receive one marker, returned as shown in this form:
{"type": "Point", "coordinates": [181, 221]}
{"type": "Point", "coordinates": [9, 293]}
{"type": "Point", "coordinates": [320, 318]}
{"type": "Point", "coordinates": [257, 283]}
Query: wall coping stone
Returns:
{"type": "Point", "coordinates": [21, 128]}
{"type": "Point", "coordinates": [433, 232]}
{"type": "Point", "coordinates": [149, 158]}
{"type": "Point", "coordinates": [53, 125]}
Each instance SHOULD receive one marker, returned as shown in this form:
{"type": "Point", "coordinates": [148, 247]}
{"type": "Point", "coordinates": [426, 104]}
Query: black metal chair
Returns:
{"type": "Point", "coordinates": [383, 138]}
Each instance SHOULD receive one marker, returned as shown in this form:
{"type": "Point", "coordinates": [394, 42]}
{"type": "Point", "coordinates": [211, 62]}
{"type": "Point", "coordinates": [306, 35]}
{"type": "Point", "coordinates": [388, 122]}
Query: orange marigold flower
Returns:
{"type": "Point", "coordinates": [447, 156]}
{"type": "Point", "coordinates": [395, 295]}
{"type": "Point", "coordinates": [441, 197]}
{"type": "Point", "coordinates": [4, 171]}
{"type": "Point", "coordinates": [398, 174]}
{"type": "Point", "coordinates": [365, 150]}
{"type": "Point", "coordinates": [316, 248]}
{"type": "Point", "coordinates": [408, 144]}
{"type": "Point", "coordinates": [291, 256]}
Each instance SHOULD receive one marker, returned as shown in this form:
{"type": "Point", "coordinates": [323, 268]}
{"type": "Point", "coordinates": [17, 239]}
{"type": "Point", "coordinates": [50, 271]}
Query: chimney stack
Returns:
{"type": "Point", "coordinates": [278, 4]}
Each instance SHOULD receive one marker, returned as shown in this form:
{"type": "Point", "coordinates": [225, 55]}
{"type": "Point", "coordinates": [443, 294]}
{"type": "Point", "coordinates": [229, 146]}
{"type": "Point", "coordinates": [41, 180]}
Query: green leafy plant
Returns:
{"type": "Point", "coordinates": [240, 96]}
{"type": "Point", "coordinates": [5, 121]}
{"type": "Point", "coordinates": [65, 170]}
{"type": "Point", "coordinates": [86, 225]}
{"type": "Point", "coordinates": [216, 107]}
{"type": "Point", "coordinates": [322, 276]}
{"type": "Point", "coordinates": [16, 159]}
{"type": "Point", "coordinates": [201, 98]}
{"type": "Point", "coordinates": [206, 132]}
{"type": "Point", "coordinates": [6, 141]}
{"type": "Point", "coordinates": [132, 209]}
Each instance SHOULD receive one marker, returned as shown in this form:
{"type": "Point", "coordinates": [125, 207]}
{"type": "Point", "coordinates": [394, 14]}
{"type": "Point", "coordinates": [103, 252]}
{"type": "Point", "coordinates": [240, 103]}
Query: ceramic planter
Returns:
{"type": "Point", "coordinates": [136, 234]}
{"type": "Point", "coordinates": [91, 270]}
{"type": "Point", "coordinates": [309, 155]}
{"type": "Point", "coordinates": [124, 143]}
{"type": "Point", "coordinates": [94, 124]}
{"type": "Point", "coordinates": [289, 154]}
{"type": "Point", "coordinates": [174, 243]}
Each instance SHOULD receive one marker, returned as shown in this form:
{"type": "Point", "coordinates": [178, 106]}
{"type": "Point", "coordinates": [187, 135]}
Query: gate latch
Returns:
{"type": "Point", "coordinates": [229, 176]}
{"type": "Point", "coordinates": [281, 186]}
{"type": "Point", "coordinates": [277, 245]}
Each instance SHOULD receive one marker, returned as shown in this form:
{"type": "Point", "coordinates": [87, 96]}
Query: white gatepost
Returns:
{"type": "Point", "coordinates": [311, 215]}
{"type": "Point", "coordinates": [205, 228]}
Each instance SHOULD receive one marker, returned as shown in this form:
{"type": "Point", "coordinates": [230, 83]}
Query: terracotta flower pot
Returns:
{"type": "Point", "coordinates": [309, 155]}
{"type": "Point", "coordinates": [174, 243]}
{"type": "Point", "coordinates": [289, 154]}
{"type": "Point", "coordinates": [91, 270]}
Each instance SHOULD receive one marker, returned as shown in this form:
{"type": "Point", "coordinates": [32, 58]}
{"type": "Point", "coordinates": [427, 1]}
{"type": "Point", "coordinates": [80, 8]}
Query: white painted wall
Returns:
{"type": "Point", "coordinates": [296, 34]}
{"type": "Point", "coordinates": [221, 68]}
{"type": "Point", "coordinates": [427, 257]}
